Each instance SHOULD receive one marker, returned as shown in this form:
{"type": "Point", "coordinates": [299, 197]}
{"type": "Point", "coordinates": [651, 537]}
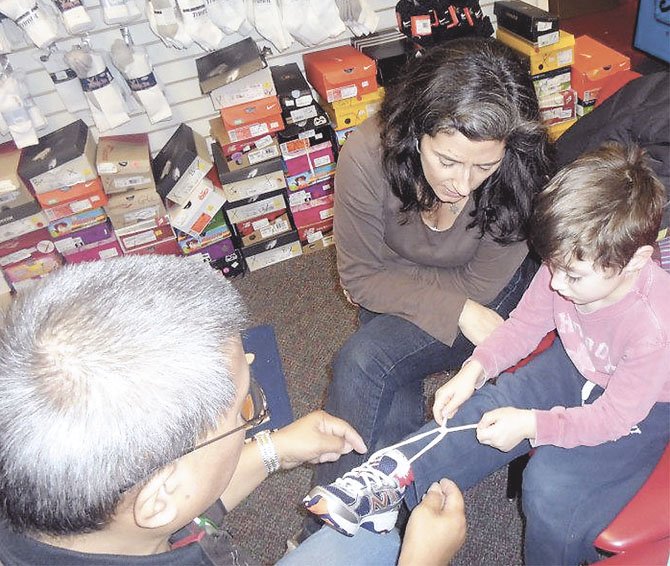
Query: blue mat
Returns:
{"type": "Point", "coordinates": [268, 371]}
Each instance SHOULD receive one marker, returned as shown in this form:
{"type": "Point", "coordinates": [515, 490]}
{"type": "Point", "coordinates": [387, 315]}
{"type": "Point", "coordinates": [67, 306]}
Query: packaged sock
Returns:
{"type": "Point", "coordinates": [165, 21]}
{"type": "Point", "coordinates": [65, 81]}
{"type": "Point", "coordinates": [266, 17]}
{"type": "Point", "coordinates": [40, 27]}
{"type": "Point", "coordinates": [198, 25]}
{"type": "Point", "coordinates": [136, 69]}
{"type": "Point", "coordinates": [74, 15]}
{"type": "Point", "coordinates": [120, 11]}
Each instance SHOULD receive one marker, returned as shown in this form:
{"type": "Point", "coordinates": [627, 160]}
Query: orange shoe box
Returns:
{"type": "Point", "coordinates": [252, 119]}
{"type": "Point", "coordinates": [92, 190]}
{"type": "Point", "coordinates": [340, 72]}
{"type": "Point", "coordinates": [595, 64]}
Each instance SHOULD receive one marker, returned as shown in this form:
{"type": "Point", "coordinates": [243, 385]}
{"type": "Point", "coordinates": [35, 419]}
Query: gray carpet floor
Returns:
{"type": "Point", "coordinates": [301, 298]}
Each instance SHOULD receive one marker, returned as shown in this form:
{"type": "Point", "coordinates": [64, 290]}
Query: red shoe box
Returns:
{"type": "Point", "coordinates": [148, 233]}
{"type": "Point", "coordinates": [30, 256]}
{"type": "Point", "coordinates": [163, 247]}
{"type": "Point", "coordinates": [242, 154]}
{"type": "Point", "coordinates": [317, 231]}
{"type": "Point", "coordinates": [558, 107]}
{"type": "Point", "coordinates": [340, 72]}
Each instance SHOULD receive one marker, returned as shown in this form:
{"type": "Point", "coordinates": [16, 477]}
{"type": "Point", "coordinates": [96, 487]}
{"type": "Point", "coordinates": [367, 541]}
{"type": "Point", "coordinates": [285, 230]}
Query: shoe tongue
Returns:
{"type": "Point", "coordinates": [387, 465]}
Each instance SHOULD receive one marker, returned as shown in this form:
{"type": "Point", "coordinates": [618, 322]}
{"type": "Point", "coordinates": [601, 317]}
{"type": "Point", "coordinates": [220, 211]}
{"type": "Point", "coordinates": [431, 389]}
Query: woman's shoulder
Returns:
{"type": "Point", "coordinates": [365, 142]}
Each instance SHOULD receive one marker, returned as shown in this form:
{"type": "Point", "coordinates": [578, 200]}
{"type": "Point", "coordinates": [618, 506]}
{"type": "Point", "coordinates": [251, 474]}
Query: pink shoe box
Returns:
{"type": "Point", "coordinates": [309, 159]}
{"type": "Point", "coordinates": [313, 212]}
{"type": "Point", "coordinates": [84, 237]}
{"type": "Point", "coordinates": [10, 230]}
{"type": "Point", "coordinates": [30, 256]}
{"type": "Point", "coordinates": [104, 249]}
{"type": "Point", "coordinates": [312, 192]}
{"type": "Point", "coordinates": [147, 233]}
{"type": "Point", "coordinates": [80, 221]}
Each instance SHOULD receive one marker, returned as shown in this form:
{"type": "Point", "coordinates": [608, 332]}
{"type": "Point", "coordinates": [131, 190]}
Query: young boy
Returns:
{"type": "Point", "coordinates": [595, 405]}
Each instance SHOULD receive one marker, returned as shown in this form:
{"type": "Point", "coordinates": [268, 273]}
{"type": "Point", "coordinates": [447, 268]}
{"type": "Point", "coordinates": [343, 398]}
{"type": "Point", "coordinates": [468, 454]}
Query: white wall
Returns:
{"type": "Point", "coordinates": [175, 69]}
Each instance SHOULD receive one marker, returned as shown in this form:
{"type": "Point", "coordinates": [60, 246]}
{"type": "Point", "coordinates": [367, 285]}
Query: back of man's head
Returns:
{"type": "Point", "coordinates": [602, 208]}
{"type": "Point", "coordinates": [108, 371]}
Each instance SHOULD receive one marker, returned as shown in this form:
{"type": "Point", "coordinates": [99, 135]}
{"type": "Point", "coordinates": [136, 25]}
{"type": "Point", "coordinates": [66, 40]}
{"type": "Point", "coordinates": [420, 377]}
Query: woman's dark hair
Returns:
{"type": "Point", "coordinates": [482, 89]}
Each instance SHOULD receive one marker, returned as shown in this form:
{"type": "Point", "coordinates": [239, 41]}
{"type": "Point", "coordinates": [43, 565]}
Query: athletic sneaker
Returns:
{"type": "Point", "coordinates": [368, 496]}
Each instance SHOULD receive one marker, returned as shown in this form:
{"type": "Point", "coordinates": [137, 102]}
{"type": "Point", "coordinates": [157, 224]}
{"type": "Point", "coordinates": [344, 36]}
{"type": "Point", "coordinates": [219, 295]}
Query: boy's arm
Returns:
{"type": "Point", "coordinates": [315, 438]}
{"type": "Point", "coordinates": [639, 381]}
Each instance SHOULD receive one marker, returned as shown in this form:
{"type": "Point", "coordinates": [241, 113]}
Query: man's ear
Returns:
{"type": "Point", "coordinates": [156, 505]}
{"type": "Point", "coordinates": [640, 257]}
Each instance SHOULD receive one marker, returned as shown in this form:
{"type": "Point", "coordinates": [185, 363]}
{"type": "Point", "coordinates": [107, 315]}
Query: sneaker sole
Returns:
{"type": "Point", "coordinates": [332, 511]}
{"type": "Point", "coordinates": [337, 515]}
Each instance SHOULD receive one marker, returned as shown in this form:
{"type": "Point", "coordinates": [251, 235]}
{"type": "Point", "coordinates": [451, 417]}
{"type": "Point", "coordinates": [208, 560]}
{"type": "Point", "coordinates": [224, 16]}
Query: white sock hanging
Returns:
{"type": "Point", "coordinates": [38, 25]}
{"type": "Point", "coordinates": [16, 113]}
{"type": "Point", "coordinates": [198, 25]}
{"type": "Point", "coordinates": [120, 11]}
{"type": "Point", "coordinates": [133, 62]}
{"type": "Point", "coordinates": [165, 21]}
{"type": "Point", "coordinates": [74, 15]}
{"type": "Point", "coordinates": [266, 17]}
{"type": "Point", "coordinates": [104, 97]}
{"type": "Point", "coordinates": [65, 81]}
{"type": "Point", "coordinates": [5, 41]}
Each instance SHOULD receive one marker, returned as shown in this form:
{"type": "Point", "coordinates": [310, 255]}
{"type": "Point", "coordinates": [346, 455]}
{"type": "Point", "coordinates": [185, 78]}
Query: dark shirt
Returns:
{"type": "Point", "coordinates": [193, 545]}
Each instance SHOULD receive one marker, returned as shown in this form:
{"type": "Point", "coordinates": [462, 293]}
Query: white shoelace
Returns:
{"type": "Point", "coordinates": [370, 475]}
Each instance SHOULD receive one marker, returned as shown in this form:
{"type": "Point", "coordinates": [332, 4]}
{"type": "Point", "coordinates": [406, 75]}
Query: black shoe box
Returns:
{"type": "Point", "coordinates": [225, 65]}
{"type": "Point", "coordinates": [391, 50]}
{"type": "Point", "coordinates": [307, 133]}
{"type": "Point", "coordinates": [293, 91]}
{"type": "Point", "coordinates": [525, 20]}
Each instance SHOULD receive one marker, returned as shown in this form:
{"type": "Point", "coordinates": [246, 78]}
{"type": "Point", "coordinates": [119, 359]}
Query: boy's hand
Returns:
{"type": "Point", "coordinates": [317, 437]}
{"type": "Point", "coordinates": [505, 427]}
{"type": "Point", "coordinates": [436, 528]}
{"type": "Point", "coordinates": [456, 391]}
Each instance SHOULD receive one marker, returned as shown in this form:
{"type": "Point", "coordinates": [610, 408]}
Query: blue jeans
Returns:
{"type": "Point", "coordinates": [327, 547]}
{"type": "Point", "coordinates": [569, 495]}
{"type": "Point", "coordinates": [378, 375]}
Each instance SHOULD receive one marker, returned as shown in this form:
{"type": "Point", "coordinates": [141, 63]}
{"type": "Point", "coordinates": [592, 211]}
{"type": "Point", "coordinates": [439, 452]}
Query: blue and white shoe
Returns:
{"type": "Point", "coordinates": [368, 496]}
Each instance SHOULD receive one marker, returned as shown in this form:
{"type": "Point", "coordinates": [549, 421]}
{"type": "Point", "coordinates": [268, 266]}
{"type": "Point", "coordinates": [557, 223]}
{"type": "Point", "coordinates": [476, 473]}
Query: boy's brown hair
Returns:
{"type": "Point", "coordinates": [602, 207]}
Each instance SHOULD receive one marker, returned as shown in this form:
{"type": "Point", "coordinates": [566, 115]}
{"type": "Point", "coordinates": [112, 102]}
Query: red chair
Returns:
{"type": "Point", "coordinates": [640, 533]}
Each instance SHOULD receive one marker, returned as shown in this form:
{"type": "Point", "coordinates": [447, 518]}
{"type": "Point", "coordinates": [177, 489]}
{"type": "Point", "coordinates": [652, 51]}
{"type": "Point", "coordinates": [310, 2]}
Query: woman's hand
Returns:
{"type": "Point", "coordinates": [477, 321]}
{"type": "Point", "coordinates": [317, 437]}
{"type": "Point", "coordinates": [456, 391]}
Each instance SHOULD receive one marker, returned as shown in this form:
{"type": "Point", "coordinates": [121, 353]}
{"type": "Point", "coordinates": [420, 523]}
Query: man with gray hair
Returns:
{"type": "Point", "coordinates": [124, 399]}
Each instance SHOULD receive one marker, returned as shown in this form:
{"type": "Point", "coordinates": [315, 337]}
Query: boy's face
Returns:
{"type": "Point", "coordinates": [588, 286]}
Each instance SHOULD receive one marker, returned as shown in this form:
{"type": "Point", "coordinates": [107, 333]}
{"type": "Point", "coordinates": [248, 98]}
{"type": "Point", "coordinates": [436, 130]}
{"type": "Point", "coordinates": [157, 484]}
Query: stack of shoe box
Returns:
{"type": "Point", "coordinates": [534, 33]}
{"type": "Point", "coordinates": [309, 153]}
{"type": "Point", "coordinates": [22, 227]}
{"type": "Point", "coordinates": [60, 171]}
{"type": "Point", "coordinates": [190, 197]}
{"type": "Point", "coordinates": [246, 154]}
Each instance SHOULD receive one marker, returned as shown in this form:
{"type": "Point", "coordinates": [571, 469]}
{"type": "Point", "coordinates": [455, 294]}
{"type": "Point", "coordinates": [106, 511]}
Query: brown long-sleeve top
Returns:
{"type": "Point", "coordinates": [409, 270]}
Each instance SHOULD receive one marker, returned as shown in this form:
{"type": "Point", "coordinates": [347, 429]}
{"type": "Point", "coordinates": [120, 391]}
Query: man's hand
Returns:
{"type": "Point", "coordinates": [505, 427]}
{"type": "Point", "coordinates": [456, 391]}
{"type": "Point", "coordinates": [436, 528]}
{"type": "Point", "coordinates": [477, 321]}
{"type": "Point", "coordinates": [315, 438]}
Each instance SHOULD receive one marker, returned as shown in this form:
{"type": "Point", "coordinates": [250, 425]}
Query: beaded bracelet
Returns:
{"type": "Point", "coordinates": [268, 451]}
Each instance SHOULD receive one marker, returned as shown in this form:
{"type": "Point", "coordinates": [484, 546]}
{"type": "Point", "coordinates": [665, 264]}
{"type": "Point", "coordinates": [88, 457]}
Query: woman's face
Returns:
{"type": "Point", "coordinates": [454, 165]}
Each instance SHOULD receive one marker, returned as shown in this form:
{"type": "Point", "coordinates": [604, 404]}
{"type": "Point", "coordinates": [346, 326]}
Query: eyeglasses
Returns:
{"type": "Point", "coordinates": [254, 412]}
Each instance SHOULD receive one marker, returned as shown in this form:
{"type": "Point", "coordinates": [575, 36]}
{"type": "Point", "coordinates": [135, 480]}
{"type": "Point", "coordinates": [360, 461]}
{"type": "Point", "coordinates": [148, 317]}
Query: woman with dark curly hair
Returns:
{"type": "Point", "coordinates": [432, 202]}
